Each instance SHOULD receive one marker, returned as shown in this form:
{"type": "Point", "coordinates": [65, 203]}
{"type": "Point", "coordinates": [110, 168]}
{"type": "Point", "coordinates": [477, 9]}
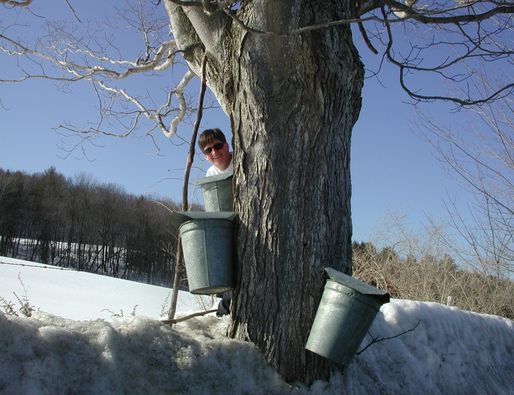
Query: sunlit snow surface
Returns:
{"type": "Point", "coordinates": [92, 351]}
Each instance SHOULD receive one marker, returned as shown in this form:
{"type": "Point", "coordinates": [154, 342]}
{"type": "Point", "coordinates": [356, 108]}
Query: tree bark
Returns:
{"type": "Point", "coordinates": [292, 100]}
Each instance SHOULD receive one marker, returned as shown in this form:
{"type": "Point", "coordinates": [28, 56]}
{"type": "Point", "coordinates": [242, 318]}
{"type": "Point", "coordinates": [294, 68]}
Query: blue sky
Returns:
{"type": "Point", "coordinates": [393, 168]}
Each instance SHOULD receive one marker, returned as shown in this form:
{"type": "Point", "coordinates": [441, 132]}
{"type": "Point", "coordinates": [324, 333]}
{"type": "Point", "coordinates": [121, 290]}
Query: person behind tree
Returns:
{"type": "Point", "coordinates": [215, 149]}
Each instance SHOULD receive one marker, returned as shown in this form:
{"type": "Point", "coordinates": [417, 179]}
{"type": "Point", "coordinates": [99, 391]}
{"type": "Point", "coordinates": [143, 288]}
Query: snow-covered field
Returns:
{"type": "Point", "coordinates": [87, 296]}
{"type": "Point", "coordinates": [100, 335]}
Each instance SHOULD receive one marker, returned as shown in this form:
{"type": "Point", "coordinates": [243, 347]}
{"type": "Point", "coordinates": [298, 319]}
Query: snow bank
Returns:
{"type": "Point", "coordinates": [443, 350]}
{"type": "Point", "coordinates": [50, 355]}
{"type": "Point", "coordinates": [449, 352]}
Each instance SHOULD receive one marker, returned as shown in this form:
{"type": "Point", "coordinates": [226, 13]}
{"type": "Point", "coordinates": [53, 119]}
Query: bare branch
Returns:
{"type": "Point", "coordinates": [16, 3]}
{"type": "Point", "coordinates": [187, 3]}
{"type": "Point", "coordinates": [73, 11]}
{"type": "Point", "coordinates": [163, 59]}
{"type": "Point", "coordinates": [484, 165]}
{"type": "Point", "coordinates": [426, 15]}
{"type": "Point", "coordinates": [410, 64]}
{"type": "Point", "coordinates": [452, 18]}
{"type": "Point", "coordinates": [366, 39]}
{"type": "Point", "coordinates": [376, 340]}
{"type": "Point", "coordinates": [458, 17]}
{"type": "Point", "coordinates": [179, 92]}
{"type": "Point", "coordinates": [188, 317]}
{"type": "Point", "coordinates": [185, 186]}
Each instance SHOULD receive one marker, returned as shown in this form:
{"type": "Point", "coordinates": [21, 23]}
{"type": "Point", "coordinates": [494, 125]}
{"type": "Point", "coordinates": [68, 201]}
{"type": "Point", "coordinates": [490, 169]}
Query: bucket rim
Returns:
{"type": "Point", "coordinates": [217, 221]}
{"type": "Point", "coordinates": [374, 302]}
{"type": "Point", "coordinates": [212, 179]}
{"type": "Point", "coordinates": [180, 217]}
{"type": "Point", "coordinates": [357, 285]}
{"type": "Point", "coordinates": [211, 290]}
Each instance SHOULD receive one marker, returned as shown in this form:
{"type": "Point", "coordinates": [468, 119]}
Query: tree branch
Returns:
{"type": "Point", "coordinates": [191, 153]}
{"type": "Point", "coordinates": [404, 66]}
{"type": "Point", "coordinates": [188, 317]}
{"type": "Point", "coordinates": [423, 16]}
{"type": "Point", "coordinates": [15, 3]}
{"type": "Point", "coordinates": [376, 340]}
{"type": "Point", "coordinates": [185, 187]}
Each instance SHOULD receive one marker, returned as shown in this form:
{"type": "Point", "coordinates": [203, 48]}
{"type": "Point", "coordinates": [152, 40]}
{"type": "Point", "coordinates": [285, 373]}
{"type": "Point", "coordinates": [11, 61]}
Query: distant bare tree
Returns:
{"type": "Point", "coordinates": [485, 166]}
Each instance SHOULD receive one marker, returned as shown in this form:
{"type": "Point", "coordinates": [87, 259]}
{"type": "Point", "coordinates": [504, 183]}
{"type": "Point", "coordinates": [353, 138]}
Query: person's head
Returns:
{"type": "Point", "coordinates": [215, 148]}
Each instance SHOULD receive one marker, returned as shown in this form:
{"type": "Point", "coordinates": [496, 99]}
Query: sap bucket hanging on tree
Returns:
{"type": "Point", "coordinates": [345, 314]}
{"type": "Point", "coordinates": [207, 247]}
{"type": "Point", "coordinates": [217, 192]}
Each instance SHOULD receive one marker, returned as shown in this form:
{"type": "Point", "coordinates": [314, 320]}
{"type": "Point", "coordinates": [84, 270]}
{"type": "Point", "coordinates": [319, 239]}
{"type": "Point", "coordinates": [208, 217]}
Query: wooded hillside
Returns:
{"type": "Point", "coordinates": [82, 224]}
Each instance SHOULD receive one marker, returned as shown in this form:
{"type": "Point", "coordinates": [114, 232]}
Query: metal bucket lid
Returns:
{"type": "Point", "coordinates": [212, 179]}
{"type": "Point", "coordinates": [357, 285]}
{"type": "Point", "coordinates": [179, 217]}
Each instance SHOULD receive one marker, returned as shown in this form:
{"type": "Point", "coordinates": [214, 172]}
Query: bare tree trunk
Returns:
{"type": "Point", "coordinates": [292, 100]}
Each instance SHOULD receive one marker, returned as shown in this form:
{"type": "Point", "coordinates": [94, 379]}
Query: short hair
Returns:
{"type": "Point", "coordinates": [209, 135]}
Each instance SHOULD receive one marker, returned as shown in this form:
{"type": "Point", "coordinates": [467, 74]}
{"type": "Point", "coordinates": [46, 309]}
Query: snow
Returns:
{"type": "Point", "coordinates": [75, 344]}
{"type": "Point", "coordinates": [84, 296]}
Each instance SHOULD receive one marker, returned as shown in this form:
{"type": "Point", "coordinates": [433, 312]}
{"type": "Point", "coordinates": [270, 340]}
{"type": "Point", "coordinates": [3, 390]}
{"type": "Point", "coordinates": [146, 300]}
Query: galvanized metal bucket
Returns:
{"type": "Point", "coordinates": [207, 246]}
{"type": "Point", "coordinates": [345, 314]}
{"type": "Point", "coordinates": [217, 192]}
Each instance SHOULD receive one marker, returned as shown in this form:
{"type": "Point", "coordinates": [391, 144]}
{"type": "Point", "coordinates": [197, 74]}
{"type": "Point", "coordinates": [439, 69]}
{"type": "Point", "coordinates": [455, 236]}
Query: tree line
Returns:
{"type": "Point", "coordinates": [79, 223]}
{"type": "Point", "coordinates": [425, 274]}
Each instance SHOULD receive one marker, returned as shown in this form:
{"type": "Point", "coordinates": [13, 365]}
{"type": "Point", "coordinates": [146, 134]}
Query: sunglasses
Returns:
{"type": "Point", "coordinates": [216, 147]}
